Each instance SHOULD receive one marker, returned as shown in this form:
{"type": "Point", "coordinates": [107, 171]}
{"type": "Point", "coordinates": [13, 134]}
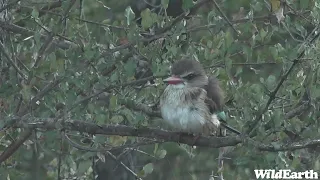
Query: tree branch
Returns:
{"type": "Point", "coordinates": [307, 143]}
{"type": "Point", "coordinates": [160, 135]}
{"type": "Point", "coordinates": [15, 145]}
{"type": "Point", "coordinates": [22, 138]}
{"type": "Point", "coordinates": [122, 130]}
{"type": "Point", "coordinates": [252, 127]}
{"type": "Point", "coordinates": [20, 30]}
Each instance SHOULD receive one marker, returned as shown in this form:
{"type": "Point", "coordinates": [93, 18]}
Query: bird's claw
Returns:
{"type": "Point", "coordinates": [196, 137]}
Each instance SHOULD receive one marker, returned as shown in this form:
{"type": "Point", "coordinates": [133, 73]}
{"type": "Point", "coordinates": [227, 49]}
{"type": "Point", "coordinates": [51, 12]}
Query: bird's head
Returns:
{"type": "Point", "coordinates": [187, 73]}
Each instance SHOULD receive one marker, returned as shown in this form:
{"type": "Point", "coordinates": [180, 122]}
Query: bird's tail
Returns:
{"type": "Point", "coordinates": [215, 121]}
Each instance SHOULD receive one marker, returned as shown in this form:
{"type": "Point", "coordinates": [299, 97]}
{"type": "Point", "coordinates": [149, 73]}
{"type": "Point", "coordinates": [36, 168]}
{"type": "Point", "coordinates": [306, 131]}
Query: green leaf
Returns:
{"type": "Point", "coordinates": [165, 3]}
{"type": "Point", "coordinates": [139, 118]}
{"type": "Point", "coordinates": [160, 69]}
{"type": "Point", "coordinates": [263, 34]}
{"type": "Point", "coordinates": [154, 67]}
{"type": "Point", "coordinates": [36, 38]}
{"type": "Point", "coordinates": [156, 146]}
{"type": "Point", "coordinates": [113, 102]}
{"type": "Point", "coordinates": [248, 52]}
{"type": "Point", "coordinates": [84, 166]}
{"type": "Point", "coordinates": [88, 155]}
{"type": "Point", "coordinates": [101, 118]}
{"type": "Point", "coordinates": [3, 123]}
{"type": "Point", "coordinates": [114, 77]}
{"type": "Point", "coordinates": [35, 13]}
{"type": "Point", "coordinates": [274, 52]}
{"type": "Point", "coordinates": [89, 53]}
{"type": "Point", "coordinates": [26, 93]}
{"type": "Point", "coordinates": [173, 50]}
{"type": "Point", "coordinates": [317, 165]}
{"type": "Point", "coordinates": [129, 14]}
{"type": "Point", "coordinates": [117, 119]}
{"type": "Point", "coordinates": [187, 4]}
{"type": "Point", "coordinates": [239, 71]}
{"type": "Point", "coordinates": [304, 4]}
{"type": "Point", "coordinates": [211, 15]}
{"type": "Point", "coordinates": [275, 5]}
{"type": "Point", "coordinates": [209, 44]}
{"type": "Point", "coordinates": [161, 154]}
{"type": "Point", "coordinates": [241, 161]}
{"type": "Point", "coordinates": [228, 63]}
{"type": "Point", "coordinates": [228, 40]}
{"type": "Point", "coordinates": [148, 168]}
{"type": "Point", "coordinates": [257, 6]}
{"type": "Point", "coordinates": [99, 139]}
{"type": "Point", "coordinates": [91, 107]}
{"type": "Point", "coordinates": [271, 80]}
{"type": "Point", "coordinates": [106, 21]}
{"type": "Point", "coordinates": [276, 145]}
{"type": "Point", "coordinates": [117, 140]}
{"type": "Point", "coordinates": [148, 18]}
{"type": "Point", "coordinates": [207, 53]}
{"type": "Point", "coordinates": [130, 68]}
{"type": "Point", "coordinates": [128, 114]}
{"type": "Point", "coordinates": [277, 118]}
{"type": "Point", "coordinates": [270, 157]}
{"type": "Point", "coordinates": [55, 64]}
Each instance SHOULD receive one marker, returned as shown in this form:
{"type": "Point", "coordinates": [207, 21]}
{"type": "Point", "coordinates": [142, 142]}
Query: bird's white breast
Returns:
{"type": "Point", "coordinates": [188, 116]}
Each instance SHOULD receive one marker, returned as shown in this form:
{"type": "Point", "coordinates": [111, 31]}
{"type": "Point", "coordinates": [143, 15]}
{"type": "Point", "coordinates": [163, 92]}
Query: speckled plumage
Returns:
{"type": "Point", "coordinates": [186, 106]}
{"type": "Point", "coordinates": [186, 114]}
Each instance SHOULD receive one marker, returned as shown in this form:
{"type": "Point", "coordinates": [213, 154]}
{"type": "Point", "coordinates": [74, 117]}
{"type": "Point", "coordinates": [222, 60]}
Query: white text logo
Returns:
{"type": "Point", "coordinates": [284, 174]}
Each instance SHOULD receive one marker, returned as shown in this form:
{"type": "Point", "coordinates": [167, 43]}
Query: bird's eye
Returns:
{"type": "Point", "coordinates": [190, 76]}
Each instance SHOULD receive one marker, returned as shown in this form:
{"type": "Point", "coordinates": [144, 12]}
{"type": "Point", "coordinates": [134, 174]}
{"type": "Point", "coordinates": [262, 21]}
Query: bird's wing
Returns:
{"type": "Point", "coordinates": [195, 94]}
{"type": "Point", "coordinates": [214, 100]}
{"type": "Point", "coordinates": [214, 95]}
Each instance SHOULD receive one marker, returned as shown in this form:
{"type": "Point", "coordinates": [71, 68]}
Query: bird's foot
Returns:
{"type": "Point", "coordinates": [196, 137]}
{"type": "Point", "coordinates": [181, 134]}
{"type": "Point", "coordinates": [189, 134]}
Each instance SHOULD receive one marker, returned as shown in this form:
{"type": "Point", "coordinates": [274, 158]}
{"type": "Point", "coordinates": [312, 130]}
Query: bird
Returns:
{"type": "Point", "coordinates": [192, 102]}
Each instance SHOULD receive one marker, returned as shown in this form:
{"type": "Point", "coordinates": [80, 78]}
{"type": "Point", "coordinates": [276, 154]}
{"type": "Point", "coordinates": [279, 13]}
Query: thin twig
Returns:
{"type": "Point", "coordinates": [43, 48]}
{"type": "Point", "coordinates": [243, 20]}
{"type": "Point", "coordinates": [49, 87]}
{"type": "Point", "coordinates": [254, 124]}
{"type": "Point", "coordinates": [224, 16]}
{"type": "Point", "coordinates": [109, 88]}
{"type": "Point", "coordinates": [76, 145]}
{"type": "Point", "coordinates": [8, 5]}
{"type": "Point", "coordinates": [90, 149]}
{"type": "Point", "coordinates": [296, 13]}
{"type": "Point", "coordinates": [103, 25]}
{"type": "Point", "coordinates": [60, 159]}
{"type": "Point", "coordinates": [50, 37]}
{"type": "Point", "coordinates": [123, 165]}
{"type": "Point", "coordinates": [13, 64]}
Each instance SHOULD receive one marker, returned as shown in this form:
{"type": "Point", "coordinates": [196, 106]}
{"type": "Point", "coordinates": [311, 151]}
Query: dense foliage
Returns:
{"type": "Point", "coordinates": [68, 68]}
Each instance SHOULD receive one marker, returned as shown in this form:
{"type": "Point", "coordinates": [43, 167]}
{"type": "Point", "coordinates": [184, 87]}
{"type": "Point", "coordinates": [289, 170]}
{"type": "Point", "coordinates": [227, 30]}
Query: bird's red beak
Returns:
{"type": "Point", "coordinates": [173, 80]}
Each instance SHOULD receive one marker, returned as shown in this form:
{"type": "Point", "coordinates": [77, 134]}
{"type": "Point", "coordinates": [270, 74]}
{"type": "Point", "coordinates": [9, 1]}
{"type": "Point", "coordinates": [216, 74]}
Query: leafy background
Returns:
{"type": "Point", "coordinates": [102, 62]}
